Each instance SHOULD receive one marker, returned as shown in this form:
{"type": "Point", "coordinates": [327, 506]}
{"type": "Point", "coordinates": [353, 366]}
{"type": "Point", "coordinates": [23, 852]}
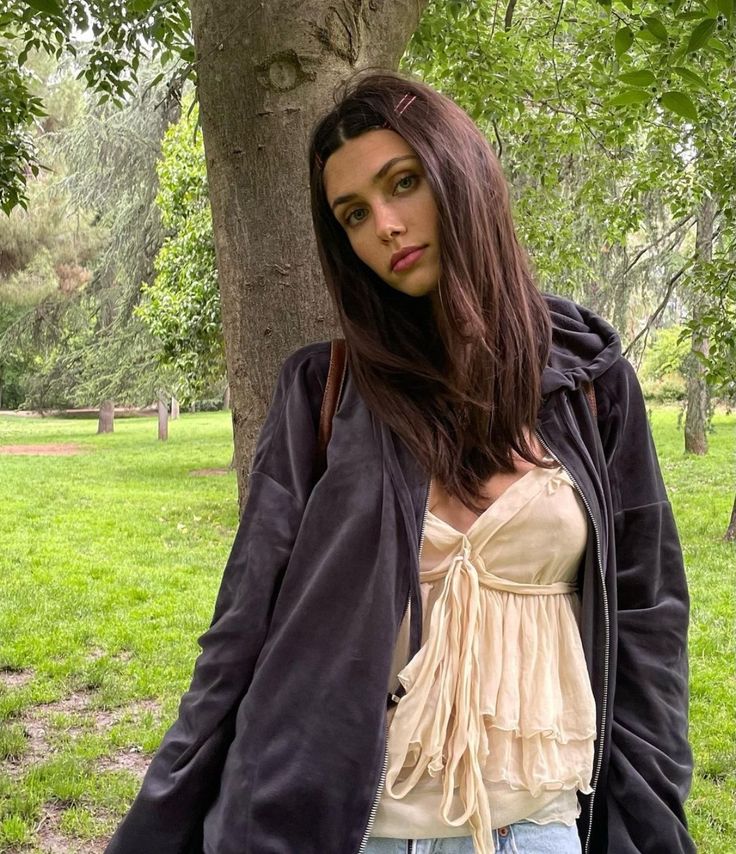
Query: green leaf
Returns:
{"type": "Point", "coordinates": [716, 45]}
{"type": "Point", "coordinates": [623, 41]}
{"type": "Point", "coordinates": [645, 36]}
{"type": "Point", "coordinates": [630, 96]}
{"type": "Point", "coordinates": [701, 34]}
{"type": "Point", "coordinates": [638, 78]}
{"type": "Point", "coordinates": [680, 103]}
{"type": "Point", "coordinates": [690, 76]}
{"type": "Point", "coordinates": [656, 27]}
{"type": "Point", "coordinates": [48, 7]}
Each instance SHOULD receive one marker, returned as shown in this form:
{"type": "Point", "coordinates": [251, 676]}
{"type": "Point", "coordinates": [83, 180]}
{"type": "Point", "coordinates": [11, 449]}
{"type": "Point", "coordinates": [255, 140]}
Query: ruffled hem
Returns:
{"type": "Point", "coordinates": [526, 670]}
{"type": "Point", "coordinates": [531, 764]}
{"type": "Point", "coordinates": [508, 701]}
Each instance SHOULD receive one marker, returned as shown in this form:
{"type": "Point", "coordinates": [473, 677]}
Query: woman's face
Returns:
{"type": "Point", "coordinates": [377, 190]}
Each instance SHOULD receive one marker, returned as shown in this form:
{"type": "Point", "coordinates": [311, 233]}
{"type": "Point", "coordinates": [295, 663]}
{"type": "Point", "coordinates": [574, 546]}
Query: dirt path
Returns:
{"type": "Point", "coordinates": [74, 715]}
{"type": "Point", "coordinates": [53, 449]}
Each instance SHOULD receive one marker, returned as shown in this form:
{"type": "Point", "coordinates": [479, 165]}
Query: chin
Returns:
{"type": "Point", "coordinates": [417, 289]}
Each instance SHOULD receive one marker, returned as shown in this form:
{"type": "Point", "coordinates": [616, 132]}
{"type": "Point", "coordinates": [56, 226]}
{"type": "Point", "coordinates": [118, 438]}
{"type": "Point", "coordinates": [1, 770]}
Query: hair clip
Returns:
{"type": "Point", "coordinates": [401, 106]}
{"type": "Point", "coordinates": [399, 109]}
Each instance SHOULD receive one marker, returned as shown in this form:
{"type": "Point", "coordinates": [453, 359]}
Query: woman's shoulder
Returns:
{"type": "Point", "coordinates": [303, 375]}
{"type": "Point", "coordinates": [313, 356]}
{"type": "Point", "coordinates": [618, 387]}
{"type": "Point", "coordinates": [308, 363]}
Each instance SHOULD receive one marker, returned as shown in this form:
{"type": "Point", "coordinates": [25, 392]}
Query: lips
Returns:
{"type": "Point", "coordinates": [406, 257]}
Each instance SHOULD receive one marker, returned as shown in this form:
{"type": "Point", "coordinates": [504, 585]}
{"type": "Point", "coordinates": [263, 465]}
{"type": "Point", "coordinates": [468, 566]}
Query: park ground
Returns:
{"type": "Point", "coordinates": [111, 551]}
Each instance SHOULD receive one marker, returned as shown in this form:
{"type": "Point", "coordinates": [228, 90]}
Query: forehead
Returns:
{"type": "Point", "coordinates": [351, 168]}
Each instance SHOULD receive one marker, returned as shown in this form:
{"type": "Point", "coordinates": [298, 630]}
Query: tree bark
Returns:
{"type": "Point", "coordinates": [163, 420]}
{"type": "Point", "coordinates": [106, 421]}
{"type": "Point", "coordinates": [226, 398]}
{"type": "Point", "coordinates": [265, 72]}
{"type": "Point", "coordinates": [730, 535]}
{"type": "Point", "coordinates": [174, 408]}
{"type": "Point", "coordinates": [698, 399]}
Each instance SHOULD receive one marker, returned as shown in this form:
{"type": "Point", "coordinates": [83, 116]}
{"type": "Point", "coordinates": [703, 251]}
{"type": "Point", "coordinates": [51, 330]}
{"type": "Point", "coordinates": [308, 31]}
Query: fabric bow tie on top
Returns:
{"type": "Point", "coordinates": [449, 665]}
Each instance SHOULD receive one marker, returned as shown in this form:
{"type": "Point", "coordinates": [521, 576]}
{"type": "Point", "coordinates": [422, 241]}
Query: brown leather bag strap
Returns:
{"type": "Point", "coordinates": [589, 390]}
{"type": "Point", "coordinates": [335, 380]}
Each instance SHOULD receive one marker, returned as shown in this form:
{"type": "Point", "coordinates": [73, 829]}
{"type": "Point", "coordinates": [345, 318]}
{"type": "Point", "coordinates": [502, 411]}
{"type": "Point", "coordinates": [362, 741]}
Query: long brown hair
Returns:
{"type": "Point", "coordinates": [461, 386]}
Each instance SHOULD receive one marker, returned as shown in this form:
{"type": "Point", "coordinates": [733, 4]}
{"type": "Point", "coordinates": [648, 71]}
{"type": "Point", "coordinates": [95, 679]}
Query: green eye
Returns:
{"type": "Point", "coordinates": [410, 176]}
{"type": "Point", "coordinates": [352, 213]}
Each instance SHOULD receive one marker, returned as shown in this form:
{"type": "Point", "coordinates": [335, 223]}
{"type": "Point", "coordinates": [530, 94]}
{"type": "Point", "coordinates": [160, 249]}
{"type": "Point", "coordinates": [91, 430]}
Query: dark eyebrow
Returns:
{"type": "Point", "coordinates": [376, 178]}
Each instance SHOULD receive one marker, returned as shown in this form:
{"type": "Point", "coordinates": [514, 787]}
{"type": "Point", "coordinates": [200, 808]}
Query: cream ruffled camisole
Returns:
{"type": "Point", "coordinates": [498, 720]}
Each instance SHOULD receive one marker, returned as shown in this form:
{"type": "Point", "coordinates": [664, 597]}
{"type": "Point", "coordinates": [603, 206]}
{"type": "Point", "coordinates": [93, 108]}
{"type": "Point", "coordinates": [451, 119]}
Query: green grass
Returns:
{"type": "Point", "coordinates": [702, 492]}
{"type": "Point", "coordinates": [110, 563]}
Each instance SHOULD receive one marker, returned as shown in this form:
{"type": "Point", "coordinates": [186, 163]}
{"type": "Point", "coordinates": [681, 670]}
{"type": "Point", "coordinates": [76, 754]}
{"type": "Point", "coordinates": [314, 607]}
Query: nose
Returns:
{"type": "Point", "coordinates": [388, 223]}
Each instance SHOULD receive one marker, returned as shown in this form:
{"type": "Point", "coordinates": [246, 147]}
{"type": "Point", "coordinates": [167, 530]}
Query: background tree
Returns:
{"type": "Point", "coordinates": [88, 346]}
{"type": "Point", "coordinates": [181, 307]}
{"type": "Point", "coordinates": [44, 250]}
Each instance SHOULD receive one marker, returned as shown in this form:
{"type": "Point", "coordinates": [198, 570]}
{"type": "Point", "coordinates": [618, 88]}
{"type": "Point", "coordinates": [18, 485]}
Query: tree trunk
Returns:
{"type": "Point", "coordinates": [226, 398]}
{"type": "Point", "coordinates": [730, 535]}
{"type": "Point", "coordinates": [163, 420]}
{"type": "Point", "coordinates": [265, 72]}
{"type": "Point", "coordinates": [106, 422]}
{"type": "Point", "coordinates": [696, 418]}
{"type": "Point", "coordinates": [174, 409]}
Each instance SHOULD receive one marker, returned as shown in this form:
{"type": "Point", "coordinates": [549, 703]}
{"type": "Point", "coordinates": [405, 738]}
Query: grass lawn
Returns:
{"type": "Point", "coordinates": [111, 559]}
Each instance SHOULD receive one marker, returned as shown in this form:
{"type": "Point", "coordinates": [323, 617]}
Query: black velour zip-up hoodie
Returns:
{"type": "Point", "coordinates": [280, 740]}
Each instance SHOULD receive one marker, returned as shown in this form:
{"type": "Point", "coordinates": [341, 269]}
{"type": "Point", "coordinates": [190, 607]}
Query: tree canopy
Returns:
{"type": "Point", "coordinates": [613, 121]}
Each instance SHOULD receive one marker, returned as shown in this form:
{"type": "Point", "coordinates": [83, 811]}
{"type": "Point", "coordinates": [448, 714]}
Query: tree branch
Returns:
{"type": "Point", "coordinates": [644, 331]}
{"type": "Point", "coordinates": [578, 118]}
{"type": "Point", "coordinates": [554, 48]}
{"type": "Point", "coordinates": [684, 221]}
{"type": "Point", "coordinates": [495, 15]}
{"type": "Point", "coordinates": [654, 316]}
{"type": "Point", "coordinates": [498, 139]}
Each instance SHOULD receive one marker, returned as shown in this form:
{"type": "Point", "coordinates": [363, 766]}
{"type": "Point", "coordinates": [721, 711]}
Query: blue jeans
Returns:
{"type": "Point", "coordinates": [522, 837]}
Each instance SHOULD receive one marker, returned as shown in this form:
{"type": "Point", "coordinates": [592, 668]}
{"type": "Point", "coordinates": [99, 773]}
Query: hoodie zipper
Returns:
{"type": "Point", "coordinates": [382, 780]}
{"type": "Point", "coordinates": [604, 703]}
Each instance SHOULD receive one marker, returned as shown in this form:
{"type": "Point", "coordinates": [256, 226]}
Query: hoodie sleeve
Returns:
{"type": "Point", "coordinates": [182, 779]}
{"type": "Point", "coordinates": [650, 766]}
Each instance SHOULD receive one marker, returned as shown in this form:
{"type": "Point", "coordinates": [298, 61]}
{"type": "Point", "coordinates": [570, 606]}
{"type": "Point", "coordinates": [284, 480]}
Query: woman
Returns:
{"type": "Point", "coordinates": [468, 632]}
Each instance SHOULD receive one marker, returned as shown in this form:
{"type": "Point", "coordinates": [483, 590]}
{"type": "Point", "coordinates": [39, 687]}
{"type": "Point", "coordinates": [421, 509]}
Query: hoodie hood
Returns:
{"type": "Point", "coordinates": [583, 345]}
